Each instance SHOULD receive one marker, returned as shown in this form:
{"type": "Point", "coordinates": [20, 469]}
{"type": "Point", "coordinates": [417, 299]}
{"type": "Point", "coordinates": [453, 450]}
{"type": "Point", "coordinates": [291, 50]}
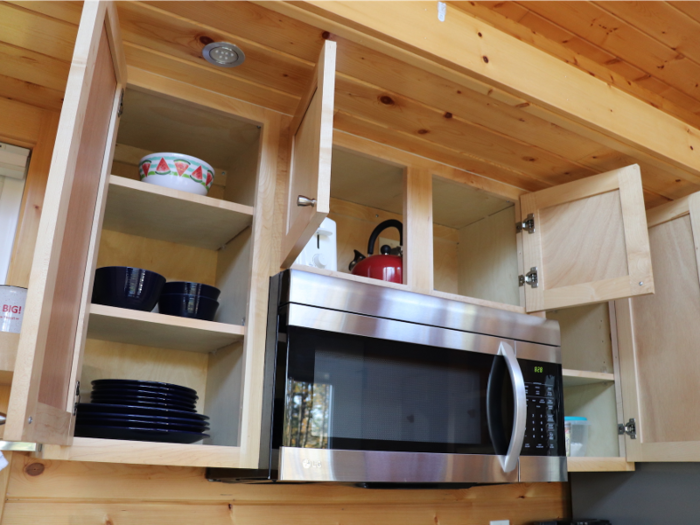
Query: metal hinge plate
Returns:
{"type": "Point", "coordinates": [120, 111]}
{"type": "Point", "coordinates": [529, 278]}
{"type": "Point", "coordinates": [528, 224]}
{"type": "Point", "coordinates": [630, 428]}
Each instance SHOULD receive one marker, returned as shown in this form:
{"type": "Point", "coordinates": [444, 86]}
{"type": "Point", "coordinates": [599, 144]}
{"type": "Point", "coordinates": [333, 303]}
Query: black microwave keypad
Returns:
{"type": "Point", "coordinates": [544, 431]}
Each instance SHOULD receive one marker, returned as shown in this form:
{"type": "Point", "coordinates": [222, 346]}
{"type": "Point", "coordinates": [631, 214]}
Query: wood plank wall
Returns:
{"type": "Point", "coordinates": [68, 493]}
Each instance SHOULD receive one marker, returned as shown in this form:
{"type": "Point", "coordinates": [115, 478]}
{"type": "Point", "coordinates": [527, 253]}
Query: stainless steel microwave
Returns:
{"type": "Point", "coordinates": [369, 384]}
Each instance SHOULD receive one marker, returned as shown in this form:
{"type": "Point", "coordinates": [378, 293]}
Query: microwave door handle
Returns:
{"type": "Point", "coordinates": [510, 461]}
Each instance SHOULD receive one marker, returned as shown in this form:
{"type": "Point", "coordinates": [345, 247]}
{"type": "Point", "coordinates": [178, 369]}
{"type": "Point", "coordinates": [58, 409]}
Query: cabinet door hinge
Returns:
{"type": "Point", "coordinates": [120, 111]}
{"type": "Point", "coordinates": [630, 428]}
{"type": "Point", "coordinates": [529, 278]}
{"type": "Point", "coordinates": [77, 398]}
{"type": "Point", "coordinates": [528, 224]}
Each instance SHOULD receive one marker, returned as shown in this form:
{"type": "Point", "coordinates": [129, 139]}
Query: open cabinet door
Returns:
{"type": "Point", "coordinates": [589, 242]}
{"type": "Point", "coordinates": [43, 386]}
{"type": "Point", "coordinates": [658, 339]}
{"type": "Point", "coordinates": [309, 189]}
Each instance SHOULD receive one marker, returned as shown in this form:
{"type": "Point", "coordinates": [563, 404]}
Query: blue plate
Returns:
{"type": "Point", "coordinates": [128, 391]}
{"type": "Point", "coordinates": [154, 385]}
{"type": "Point", "coordinates": [87, 419]}
{"type": "Point", "coordinates": [155, 419]}
{"type": "Point", "coordinates": [139, 433]}
{"type": "Point", "coordinates": [141, 401]}
{"type": "Point", "coordinates": [131, 409]}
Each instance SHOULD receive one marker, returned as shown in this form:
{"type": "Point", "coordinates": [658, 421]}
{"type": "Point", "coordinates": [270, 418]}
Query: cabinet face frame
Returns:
{"type": "Point", "coordinates": [631, 361]}
{"type": "Point", "coordinates": [30, 416]}
{"type": "Point", "coordinates": [311, 136]}
{"type": "Point", "coordinates": [602, 221]}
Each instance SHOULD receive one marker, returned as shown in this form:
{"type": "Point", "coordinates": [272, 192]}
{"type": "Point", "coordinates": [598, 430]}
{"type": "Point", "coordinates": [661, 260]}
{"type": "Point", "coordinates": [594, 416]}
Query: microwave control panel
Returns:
{"type": "Point", "coordinates": [544, 432]}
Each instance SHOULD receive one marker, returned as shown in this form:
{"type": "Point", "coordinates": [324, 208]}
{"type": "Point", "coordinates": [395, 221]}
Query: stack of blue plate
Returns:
{"type": "Point", "coordinates": [141, 411]}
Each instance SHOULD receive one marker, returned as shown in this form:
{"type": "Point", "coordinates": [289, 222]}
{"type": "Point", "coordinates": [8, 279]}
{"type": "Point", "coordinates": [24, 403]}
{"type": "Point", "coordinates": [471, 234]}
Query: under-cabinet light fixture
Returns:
{"type": "Point", "coordinates": [223, 54]}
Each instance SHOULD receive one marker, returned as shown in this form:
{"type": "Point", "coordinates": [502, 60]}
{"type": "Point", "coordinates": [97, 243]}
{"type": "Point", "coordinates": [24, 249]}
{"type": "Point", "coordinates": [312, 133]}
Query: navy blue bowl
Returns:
{"type": "Point", "coordinates": [188, 305]}
{"type": "Point", "coordinates": [181, 287]}
{"type": "Point", "coordinates": [126, 287]}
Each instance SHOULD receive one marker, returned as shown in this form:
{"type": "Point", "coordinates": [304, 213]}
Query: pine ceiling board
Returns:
{"type": "Point", "coordinates": [453, 99]}
{"type": "Point", "coordinates": [408, 116]}
{"type": "Point", "coordinates": [366, 181]}
{"type": "Point", "coordinates": [663, 22]}
{"type": "Point", "coordinates": [32, 94]}
{"type": "Point", "coordinates": [67, 11]}
{"type": "Point", "coordinates": [252, 22]}
{"type": "Point", "coordinates": [377, 132]}
{"type": "Point", "coordinates": [692, 9]}
{"type": "Point", "coordinates": [184, 40]}
{"type": "Point", "coordinates": [209, 78]}
{"type": "Point", "coordinates": [599, 27]}
{"type": "Point", "coordinates": [27, 65]}
{"type": "Point", "coordinates": [616, 72]}
{"type": "Point", "coordinates": [30, 30]}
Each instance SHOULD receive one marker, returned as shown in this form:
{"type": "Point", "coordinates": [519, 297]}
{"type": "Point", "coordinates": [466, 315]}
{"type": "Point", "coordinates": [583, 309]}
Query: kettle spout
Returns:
{"type": "Point", "coordinates": [357, 259]}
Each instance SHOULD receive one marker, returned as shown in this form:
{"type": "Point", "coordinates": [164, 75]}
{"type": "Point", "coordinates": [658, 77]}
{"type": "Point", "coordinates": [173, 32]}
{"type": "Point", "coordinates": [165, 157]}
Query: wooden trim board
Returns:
{"type": "Point", "coordinates": [140, 453]}
{"type": "Point", "coordinates": [162, 331]}
{"type": "Point", "coordinates": [582, 377]}
{"type": "Point", "coordinates": [155, 212]}
{"type": "Point", "coordinates": [599, 465]}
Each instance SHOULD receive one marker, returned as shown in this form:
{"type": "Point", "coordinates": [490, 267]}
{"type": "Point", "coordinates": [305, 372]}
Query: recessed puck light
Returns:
{"type": "Point", "coordinates": [223, 54]}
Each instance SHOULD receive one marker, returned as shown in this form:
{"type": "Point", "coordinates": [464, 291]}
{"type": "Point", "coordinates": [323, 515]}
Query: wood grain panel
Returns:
{"type": "Point", "coordinates": [31, 94]}
{"type": "Point", "coordinates": [183, 39]}
{"type": "Point", "coordinates": [32, 202]}
{"type": "Point", "coordinates": [205, 76]}
{"type": "Point", "coordinates": [45, 70]}
{"type": "Point", "coordinates": [26, 29]}
{"type": "Point", "coordinates": [72, 261]}
{"type": "Point", "coordinates": [67, 11]}
{"type": "Point", "coordinates": [137, 494]}
{"type": "Point", "coordinates": [591, 258]}
{"type": "Point", "coordinates": [176, 262]}
{"type": "Point", "coordinates": [530, 27]}
{"type": "Point", "coordinates": [109, 360]}
{"type": "Point", "coordinates": [593, 23]}
{"type": "Point", "coordinates": [664, 367]}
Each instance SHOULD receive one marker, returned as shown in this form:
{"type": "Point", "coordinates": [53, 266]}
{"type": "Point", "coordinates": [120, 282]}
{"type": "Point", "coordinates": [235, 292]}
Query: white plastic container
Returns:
{"type": "Point", "coordinates": [12, 299]}
{"type": "Point", "coordinates": [576, 436]}
{"type": "Point", "coordinates": [320, 251]}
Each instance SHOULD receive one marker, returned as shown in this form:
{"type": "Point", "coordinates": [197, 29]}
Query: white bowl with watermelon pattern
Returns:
{"type": "Point", "coordinates": [177, 171]}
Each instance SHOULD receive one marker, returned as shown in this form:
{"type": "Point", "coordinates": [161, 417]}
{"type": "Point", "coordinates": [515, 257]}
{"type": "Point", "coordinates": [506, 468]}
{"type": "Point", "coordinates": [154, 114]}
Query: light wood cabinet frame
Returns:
{"type": "Point", "coordinates": [590, 242]}
{"type": "Point", "coordinates": [657, 339]}
{"type": "Point", "coordinates": [56, 301]}
{"type": "Point", "coordinates": [311, 133]}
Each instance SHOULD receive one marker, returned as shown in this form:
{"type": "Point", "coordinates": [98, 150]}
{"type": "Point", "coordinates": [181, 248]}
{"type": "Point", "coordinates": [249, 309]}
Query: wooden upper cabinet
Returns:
{"type": "Point", "coordinates": [590, 242]}
{"type": "Point", "coordinates": [44, 383]}
{"type": "Point", "coordinates": [309, 189]}
{"type": "Point", "coordinates": [658, 339]}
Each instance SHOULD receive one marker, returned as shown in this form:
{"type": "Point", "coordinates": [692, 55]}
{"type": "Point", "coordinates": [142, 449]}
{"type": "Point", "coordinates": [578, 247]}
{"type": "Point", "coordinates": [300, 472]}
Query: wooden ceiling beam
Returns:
{"type": "Point", "coordinates": [480, 57]}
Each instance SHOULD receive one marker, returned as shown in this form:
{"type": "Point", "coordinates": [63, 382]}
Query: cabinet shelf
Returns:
{"type": "Point", "coordinates": [583, 377]}
{"type": "Point", "coordinates": [151, 211]}
{"type": "Point", "coordinates": [611, 464]}
{"type": "Point", "coordinates": [163, 331]}
{"type": "Point", "coordinates": [8, 354]}
{"type": "Point", "coordinates": [144, 452]}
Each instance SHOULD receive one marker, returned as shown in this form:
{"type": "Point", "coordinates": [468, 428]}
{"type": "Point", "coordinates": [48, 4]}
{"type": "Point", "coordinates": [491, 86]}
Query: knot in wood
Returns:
{"type": "Point", "coordinates": [34, 469]}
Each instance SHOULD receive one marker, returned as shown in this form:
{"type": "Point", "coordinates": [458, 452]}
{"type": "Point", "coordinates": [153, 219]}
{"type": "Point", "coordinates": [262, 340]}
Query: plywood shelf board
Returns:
{"type": "Point", "coordinates": [162, 331]}
{"type": "Point", "coordinates": [142, 452]}
{"type": "Point", "coordinates": [590, 464]}
{"type": "Point", "coordinates": [161, 213]}
{"type": "Point", "coordinates": [583, 377]}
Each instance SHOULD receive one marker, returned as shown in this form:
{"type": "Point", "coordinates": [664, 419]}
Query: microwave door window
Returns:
{"type": "Point", "coordinates": [358, 393]}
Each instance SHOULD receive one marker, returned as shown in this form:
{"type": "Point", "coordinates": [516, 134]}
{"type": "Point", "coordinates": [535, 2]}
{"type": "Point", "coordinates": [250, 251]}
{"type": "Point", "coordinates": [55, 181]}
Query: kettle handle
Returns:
{"type": "Point", "coordinates": [379, 229]}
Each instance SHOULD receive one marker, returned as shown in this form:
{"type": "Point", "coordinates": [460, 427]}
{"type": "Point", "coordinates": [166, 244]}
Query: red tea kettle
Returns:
{"type": "Point", "coordinates": [389, 265]}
